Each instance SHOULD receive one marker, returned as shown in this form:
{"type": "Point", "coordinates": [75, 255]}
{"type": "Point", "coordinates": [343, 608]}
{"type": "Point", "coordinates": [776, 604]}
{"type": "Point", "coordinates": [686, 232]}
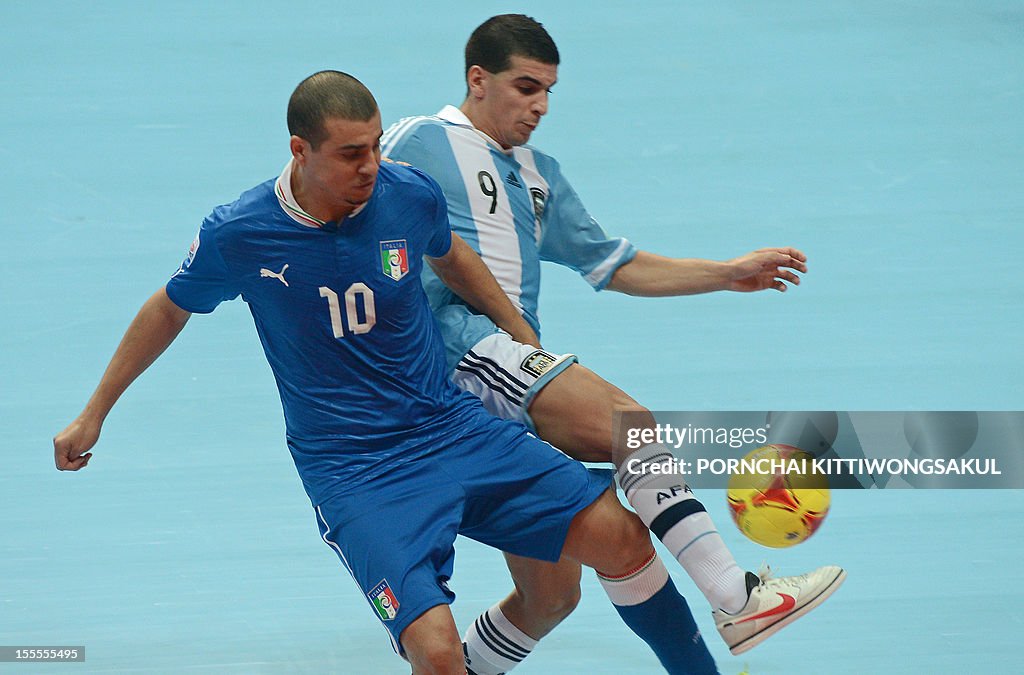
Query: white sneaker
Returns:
{"type": "Point", "coordinates": [774, 603]}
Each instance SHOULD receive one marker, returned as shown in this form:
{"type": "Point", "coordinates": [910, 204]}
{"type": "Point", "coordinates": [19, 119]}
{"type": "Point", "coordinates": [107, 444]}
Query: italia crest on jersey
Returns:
{"type": "Point", "coordinates": [394, 258]}
{"type": "Point", "coordinates": [384, 600]}
{"type": "Point", "coordinates": [192, 250]}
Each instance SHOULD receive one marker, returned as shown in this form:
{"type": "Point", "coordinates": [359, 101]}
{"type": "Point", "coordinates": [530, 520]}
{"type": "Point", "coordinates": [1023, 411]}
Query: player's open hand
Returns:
{"type": "Point", "coordinates": [767, 268]}
{"type": "Point", "coordinates": [71, 446]}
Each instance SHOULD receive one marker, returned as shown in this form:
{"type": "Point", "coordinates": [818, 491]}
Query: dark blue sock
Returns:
{"type": "Point", "coordinates": [666, 624]}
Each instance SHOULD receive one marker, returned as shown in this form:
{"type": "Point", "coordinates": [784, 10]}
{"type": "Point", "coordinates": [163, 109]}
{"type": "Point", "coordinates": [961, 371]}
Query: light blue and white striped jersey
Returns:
{"type": "Point", "coordinates": [514, 207]}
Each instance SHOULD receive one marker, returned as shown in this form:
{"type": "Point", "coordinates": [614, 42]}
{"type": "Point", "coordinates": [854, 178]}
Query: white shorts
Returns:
{"type": "Point", "coordinates": [506, 374]}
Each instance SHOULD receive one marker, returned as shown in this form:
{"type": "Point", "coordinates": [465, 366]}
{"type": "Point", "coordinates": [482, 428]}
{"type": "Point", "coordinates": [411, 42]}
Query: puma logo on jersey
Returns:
{"type": "Point", "coordinates": [264, 272]}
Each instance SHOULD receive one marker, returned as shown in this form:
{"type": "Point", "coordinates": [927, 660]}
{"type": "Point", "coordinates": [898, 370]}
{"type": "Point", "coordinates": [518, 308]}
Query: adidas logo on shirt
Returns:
{"type": "Point", "coordinates": [512, 180]}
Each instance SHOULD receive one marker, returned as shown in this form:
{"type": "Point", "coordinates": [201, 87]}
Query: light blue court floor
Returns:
{"type": "Point", "coordinates": [884, 139]}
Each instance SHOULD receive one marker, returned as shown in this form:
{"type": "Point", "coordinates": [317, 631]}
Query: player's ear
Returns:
{"type": "Point", "coordinates": [300, 148]}
{"type": "Point", "coordinates": [475, 79]}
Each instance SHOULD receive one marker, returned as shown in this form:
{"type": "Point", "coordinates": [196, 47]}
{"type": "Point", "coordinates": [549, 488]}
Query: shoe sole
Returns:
{"type": "Point", "coordinates": [767, 632]}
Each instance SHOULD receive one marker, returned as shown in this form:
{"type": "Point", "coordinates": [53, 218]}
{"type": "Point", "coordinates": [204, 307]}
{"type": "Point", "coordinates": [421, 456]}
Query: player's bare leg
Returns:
{"type": "Point", "coordinates": [576, 411]}
{"type": "Point", "coordinates": [432, 645]}
{"type": "Point", "coordinates": [617, 545]}
{"type": "Point", "coordinates": [608, 538]}
{"type": "Point", "coordinates": [545, 593]}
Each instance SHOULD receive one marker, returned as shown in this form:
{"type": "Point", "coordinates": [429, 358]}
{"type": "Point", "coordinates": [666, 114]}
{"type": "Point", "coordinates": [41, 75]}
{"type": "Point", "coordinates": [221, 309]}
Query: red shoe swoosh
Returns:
{"type": "Point", "coordinates": [788, 602]}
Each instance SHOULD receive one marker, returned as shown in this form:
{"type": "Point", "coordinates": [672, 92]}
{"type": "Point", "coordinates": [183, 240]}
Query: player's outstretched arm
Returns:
{"type": "Point", "coordinates": [153, 329]}
{"type": "Point", "coordinates": [653, 275]}
{"type": "Point", "coordinates": [462, 270]}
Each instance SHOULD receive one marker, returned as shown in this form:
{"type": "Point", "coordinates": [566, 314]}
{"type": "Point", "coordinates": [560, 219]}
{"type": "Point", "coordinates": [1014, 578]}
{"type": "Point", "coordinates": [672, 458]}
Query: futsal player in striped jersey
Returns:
{"type": "Point", "coordinates": [512, 204]}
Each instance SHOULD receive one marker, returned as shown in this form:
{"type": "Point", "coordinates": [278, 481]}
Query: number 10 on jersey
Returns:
{"type": "Point", "coordinates": [355, 325]}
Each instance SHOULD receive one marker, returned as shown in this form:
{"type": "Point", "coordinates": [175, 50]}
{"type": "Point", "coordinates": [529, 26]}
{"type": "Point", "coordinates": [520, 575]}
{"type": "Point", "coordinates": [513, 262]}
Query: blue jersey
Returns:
{"type": "Point", "coordinates": [342, 316]}
{"type": "Point", "coordinates": [515, 208]}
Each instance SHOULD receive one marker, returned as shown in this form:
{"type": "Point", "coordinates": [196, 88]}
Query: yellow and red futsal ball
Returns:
{"type": "Point", "coordinates": [776, 497]}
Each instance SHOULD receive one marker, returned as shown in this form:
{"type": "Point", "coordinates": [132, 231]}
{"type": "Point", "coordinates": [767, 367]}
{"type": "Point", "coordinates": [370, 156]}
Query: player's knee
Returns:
{"type": "Point", "coordinates": [563, 604]}
{"type": "Point", "coordinates": [637, 536]}
{"type": "Point", "coordinates": [554, 604]}
{"type": "Point", "coordinates": [597, 435]}
{"type": "Point", "coordinates": [432, 643]}
{"type": "Point", "coordinates": [623, 410]}
{"type": "Point", "coordinates": [625, 540]}
{"type": "Point", "coordinates": [631, 418]}
{"type": "Point", "coordinates": [632, 542]}
{"type": "Point", "coordinates": [438, 657]}
{"type": "Point", "coordinates": [633, 414]}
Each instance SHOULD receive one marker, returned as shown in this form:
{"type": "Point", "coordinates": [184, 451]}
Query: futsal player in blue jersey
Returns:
{"type": "Point", "coordinates": [511, 203]}
{"type": "Point", "coordinates": [396, 459]}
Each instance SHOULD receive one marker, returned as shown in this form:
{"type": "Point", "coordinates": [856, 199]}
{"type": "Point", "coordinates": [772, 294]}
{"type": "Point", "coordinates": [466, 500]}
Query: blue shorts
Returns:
{"type": "Point", "coordinates": [495, 483]}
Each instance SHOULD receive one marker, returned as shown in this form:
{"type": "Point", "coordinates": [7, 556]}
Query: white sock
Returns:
{"type": "Point", "coordinates": [637, 586]}
{"type": "Point", "coordinates": [493, 645]}
{"type": "Point", "coordinates": [667, 505]}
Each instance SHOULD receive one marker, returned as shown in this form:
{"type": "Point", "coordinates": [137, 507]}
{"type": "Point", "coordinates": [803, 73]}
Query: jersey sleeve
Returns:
{"type": "Point", "coordinates": [404, 142]}
{"type": "Point", "coordinates": [202, 281]}
{"type": "Point", "coordinates": [571, 237]}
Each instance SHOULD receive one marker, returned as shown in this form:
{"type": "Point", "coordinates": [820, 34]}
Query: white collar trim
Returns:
{"type": "Point", "coordinates": [450, 113]}
{"type": "Point", "coordinates": [283, 190]}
